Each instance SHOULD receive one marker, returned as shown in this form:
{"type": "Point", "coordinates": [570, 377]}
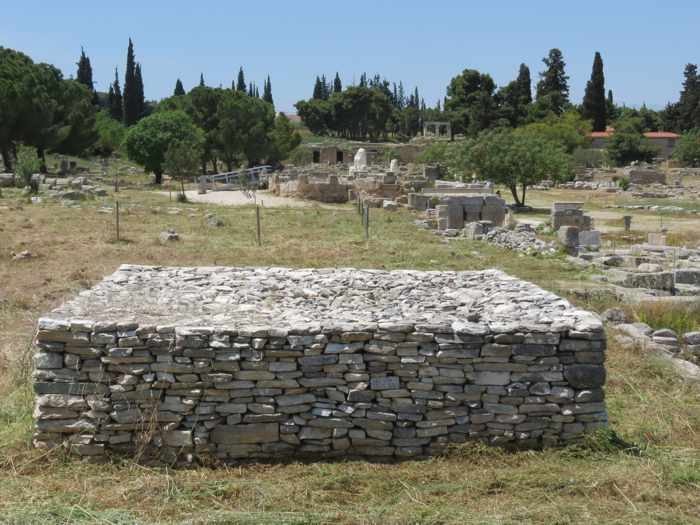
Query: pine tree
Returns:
{"type": "Point", "coordinates": [140, 96]}
{"type": "Point", "coordinates": [554, 83]}
{"type": "Point", "coordinates": [179, 89]}
{"type": "Point", "coordinates": [594, 105]}
{"type": "Point", "coordinates": [267, 91]}
{"type": "Point", "coordinates": [131, 90]}
{"type": "Point", "coordinates": [337, 84]}
{"type": "Point", "coordinates": [116, 107]}
{"type": "Point", "coordinates": [240, 83]}
{"type": "Point", "coordinates": [524, 83]}
{"type": "Point", "coordinates": [201, 80]}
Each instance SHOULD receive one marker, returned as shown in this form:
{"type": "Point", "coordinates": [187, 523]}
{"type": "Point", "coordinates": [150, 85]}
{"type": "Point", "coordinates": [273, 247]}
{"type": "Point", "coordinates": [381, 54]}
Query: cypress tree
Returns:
{"type": "Point", "coordinates": [337, 84]}
{"type": "Point", "coordinates": [179, 89]}
{"type": "Point", "coordinates": [267, 91]}
{"type": "Point", "coordinates": [140, 97]}
{"type": "Point", "coordinates": [610, 106]}
{"type": "Point", "coordinates": [257, 92]}
{"type": "Point", "coordinates": [116, 107]}
{"type": "Point", "coordinates": [689, 103]}
{"type": "Point", "coordinates": [131, 104]}
{"type": "Point", "coordinates": [201, 80]}
{"type": "Point", "coordinates": [594, 104]}
{"type": "Point", "coordinates": [84, 75]}
{"type": "Point", "coordinates": [318, 89]}
{"type": "Point", "coordinates": [554, 83]}
{"type": "Point", "coordinates": [524, 83]}
{"type": "Point", "coordinates": [240, 83]}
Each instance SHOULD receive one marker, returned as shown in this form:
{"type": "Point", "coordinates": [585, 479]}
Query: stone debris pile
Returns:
{"type": "Point", "coordinates": [521, 239]}
{"type": "Point", "coordinates": [266, 362]}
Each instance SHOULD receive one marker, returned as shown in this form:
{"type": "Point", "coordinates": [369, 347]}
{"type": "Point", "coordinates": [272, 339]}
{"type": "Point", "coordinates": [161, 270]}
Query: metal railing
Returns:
{"type": "Point", "coordinates": [243, 178]}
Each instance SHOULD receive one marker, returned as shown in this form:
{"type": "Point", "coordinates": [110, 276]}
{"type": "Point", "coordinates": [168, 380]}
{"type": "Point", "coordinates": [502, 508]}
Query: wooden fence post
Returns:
{"type": "Point", "coordinates": [366, 222]}
{"type": "Point", "coordinates": [117, 217]}
{"type": "Point", "coordinates": [257, 224]}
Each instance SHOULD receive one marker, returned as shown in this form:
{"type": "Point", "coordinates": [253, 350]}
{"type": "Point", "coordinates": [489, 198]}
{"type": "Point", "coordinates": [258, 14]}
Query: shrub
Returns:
{"type": "Point", "coordinates": [624, 183]}
{"type": "Point", "coordinates": [27, 164]}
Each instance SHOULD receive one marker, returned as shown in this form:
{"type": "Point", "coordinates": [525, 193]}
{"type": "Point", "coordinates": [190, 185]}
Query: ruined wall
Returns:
{"type": "Point", "coordinates": [386, 388]}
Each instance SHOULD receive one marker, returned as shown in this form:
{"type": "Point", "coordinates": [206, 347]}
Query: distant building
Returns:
{"type": "Point", "coordinates": [292, 117]}
{"type": "Point", "coordinates": [664, 141]}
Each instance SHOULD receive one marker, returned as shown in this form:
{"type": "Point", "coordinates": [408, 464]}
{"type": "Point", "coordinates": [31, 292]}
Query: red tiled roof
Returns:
{"type": "Point", "coordinates": [293, 118]}
{"type": "Point", "coordinates": [661, 135]}
{"type": "Point", "coordinates": [649, 134]}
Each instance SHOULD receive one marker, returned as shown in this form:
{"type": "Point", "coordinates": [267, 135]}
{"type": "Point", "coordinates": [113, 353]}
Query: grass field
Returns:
{"type": "Point", "coordinates": [73, 248]}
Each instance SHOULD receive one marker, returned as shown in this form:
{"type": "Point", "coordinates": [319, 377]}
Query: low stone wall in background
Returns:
{"type": "Point", "coordinates": [271, 362]}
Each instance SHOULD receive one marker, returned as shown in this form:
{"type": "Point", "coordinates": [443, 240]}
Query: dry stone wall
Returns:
{"type": "Point", "coordinates": [268, 362]}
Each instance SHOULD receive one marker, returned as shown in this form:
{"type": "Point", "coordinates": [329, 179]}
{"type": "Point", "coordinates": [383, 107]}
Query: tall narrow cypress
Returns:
{"type": "Point", "coordinates": [594, 104]}
{"type": "Point", "coordinates": [240, 83]}
{"type": "Point", "coordinates": [84, 75]}
{"type": "Point", "coordinates": [179, 89]}
{"type": "Point", "coordinates": [337, 84]}
{"type": "Point", "coordinates": [116, 106]}
{"type": "Point", "coordinates": [140, 97]}
{"type": "Point", "coordinates": [201, 80]}
{"type": "Point", "coordinates": [131, 94]}
{"type": "Point", "coordinates": [524, 83]}
{"type": "Point", "coordinates": [267, 91]}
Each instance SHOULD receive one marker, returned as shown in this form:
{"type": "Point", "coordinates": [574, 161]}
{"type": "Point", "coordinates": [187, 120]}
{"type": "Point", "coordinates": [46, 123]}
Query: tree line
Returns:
{"type": "Point", "coordinates": [473, 103]}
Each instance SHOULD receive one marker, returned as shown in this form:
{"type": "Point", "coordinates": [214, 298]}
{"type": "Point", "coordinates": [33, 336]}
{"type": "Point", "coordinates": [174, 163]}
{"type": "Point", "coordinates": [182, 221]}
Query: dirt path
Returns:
{"type": "Point", "coordinates": [238, 198]}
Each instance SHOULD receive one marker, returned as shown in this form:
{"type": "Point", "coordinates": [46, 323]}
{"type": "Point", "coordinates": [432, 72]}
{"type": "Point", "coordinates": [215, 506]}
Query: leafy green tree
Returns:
{"type": "Point", "coordinates": [243, 128]}
{"type": "Point", "coordinates": [115, 100]}
{"type": "Point", "coordinates": [553, 87]}
{"type": "Point", "coordinates": [110, 134]}
{"type": "Point", "coordinates": [316, 114]}
{"type": "Point", "coordinates": [179, 89]}
{"type": "Point", "coordinates": [283, 140]}
{"type": "Point", "coordinates": [470, 101]}
{"type": "Point", "coordinates": [267, 91]}
{"type": "Point", "coordinates": [569, 130]}
{"type": "Point", "coordinates": [687, 148]}
{"type": "Point", "coordinates": [148, 140]}
{"type": "Point", "coordinates": [594, 103]}
{"type": "Point", "coordinates": [74, 130]}
{"type": "Point", "coordinates": [182, 161]}
{"type": "Point", "coordinates": [240, 83]}
{"type": "Point", "coordinates": [629, 145]}
{"type": "Point", "coordinates": [518, 160]}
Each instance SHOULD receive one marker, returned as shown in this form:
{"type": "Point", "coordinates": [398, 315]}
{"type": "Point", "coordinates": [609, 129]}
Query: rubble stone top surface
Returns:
{"type": "Point", "coordinates": [476, 302]}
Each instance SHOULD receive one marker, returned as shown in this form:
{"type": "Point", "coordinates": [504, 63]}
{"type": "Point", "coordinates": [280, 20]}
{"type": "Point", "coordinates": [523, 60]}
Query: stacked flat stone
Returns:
{"type": "Point", "coordinates": [266, 362]}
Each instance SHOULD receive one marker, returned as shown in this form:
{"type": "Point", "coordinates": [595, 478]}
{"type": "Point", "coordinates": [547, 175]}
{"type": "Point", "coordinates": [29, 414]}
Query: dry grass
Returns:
{"type": "Point", "coordinates": [74, 248]}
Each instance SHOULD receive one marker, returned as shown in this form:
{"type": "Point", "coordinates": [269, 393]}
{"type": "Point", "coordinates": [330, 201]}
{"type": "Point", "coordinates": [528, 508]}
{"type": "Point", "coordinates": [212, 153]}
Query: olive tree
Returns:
{"type": "Point", "coordinates": [518, 160]}
{"type": "Point", "coordinates": [148, 141]}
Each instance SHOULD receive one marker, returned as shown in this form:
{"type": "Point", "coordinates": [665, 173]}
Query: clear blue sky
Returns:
{"type": "Point", "coordinates": [645, 44]}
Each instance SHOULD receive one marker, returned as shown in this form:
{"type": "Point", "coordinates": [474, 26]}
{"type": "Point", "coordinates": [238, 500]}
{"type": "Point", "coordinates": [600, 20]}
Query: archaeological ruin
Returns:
{"type": "Point", "coordinates": [269, 362]}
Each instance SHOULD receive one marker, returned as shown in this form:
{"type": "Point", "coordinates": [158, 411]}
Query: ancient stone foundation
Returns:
{"type": "Point", "coordinates": [271, 362]}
